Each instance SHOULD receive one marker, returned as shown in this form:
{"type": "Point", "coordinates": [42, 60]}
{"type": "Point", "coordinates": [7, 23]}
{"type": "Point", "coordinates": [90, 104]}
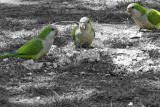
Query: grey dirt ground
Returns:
{"type": "Point", "coordinates": [122, 69]}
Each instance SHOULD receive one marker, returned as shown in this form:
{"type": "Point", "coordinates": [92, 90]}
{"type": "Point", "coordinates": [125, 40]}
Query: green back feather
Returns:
{"type": "Point", "coordinates": [45, 32]}
{"type": "Point", "coordinates": [92, 27]}
{"type": "Point", "coordinates": [90, 22]}
{"type": "Point", "coordinates": [73, 33]}
{"type": "Point", "coordinates": [21, 56]}
{"type": "Point", "coordinates": [34, 46]}
{"type": "Point", "coordinates": [31, 47]}
{"type": "Point", "coordinates": [6, 55]}
{"type": "Point", "coordinates": [153, 16]}
{"type": "Point", "coordinates": [140, 8]}
{"type": "Point", "coordinates": [93, 31]}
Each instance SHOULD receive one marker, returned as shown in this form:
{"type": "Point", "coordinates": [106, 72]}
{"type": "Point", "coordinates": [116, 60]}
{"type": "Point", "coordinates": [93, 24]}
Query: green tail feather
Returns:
{"type": "Point", "coordinates": [21, 56]}
{"type": "Point", "coordinates": [6, 55]}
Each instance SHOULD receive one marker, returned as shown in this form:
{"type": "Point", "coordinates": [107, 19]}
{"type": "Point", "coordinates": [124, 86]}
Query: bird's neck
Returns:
{"type": "Point", "coordinates": [141, 9]}
{"type": "Point", "coordinates": [138, 14]}
{"type": "Point", "coordinates": [50, 36]}
{"type": "Point", "coordinates": [43, 34]}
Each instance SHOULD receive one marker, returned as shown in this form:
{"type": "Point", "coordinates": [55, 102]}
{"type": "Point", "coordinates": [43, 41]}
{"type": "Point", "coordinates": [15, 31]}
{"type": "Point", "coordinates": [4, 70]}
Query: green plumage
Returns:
{"type": "Point", "coordinates": [5, 55]}
{"type": "Point", "coordinates": [34, 48]}
{"type": "Point", "coordinates": [83, 36]}
{"type": "Point", "coordinates": [73, 33]}
{"type": "Point", "coordinates": [153, 16]}
{"type": "Point", "coordinates": [147, 19]}
{"type": "Point", "coordinates": [140, 8]}
{"type": "Point", "coordinates": [93, 31]}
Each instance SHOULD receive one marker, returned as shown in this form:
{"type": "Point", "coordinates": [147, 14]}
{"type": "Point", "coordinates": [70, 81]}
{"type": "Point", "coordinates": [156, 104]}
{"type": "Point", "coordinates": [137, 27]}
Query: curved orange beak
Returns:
{"type": "Point", "coordinates": [83, 26]}
{"type": "Point", "coordinates": [128, 11]}
{"type": "Point", "coordinates": [57, 32]}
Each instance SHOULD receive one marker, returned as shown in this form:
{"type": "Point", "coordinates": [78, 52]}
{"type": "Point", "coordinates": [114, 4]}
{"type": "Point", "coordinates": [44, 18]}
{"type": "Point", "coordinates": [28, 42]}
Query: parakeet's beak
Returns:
{"type": "Point", "coordinates": [128, 11]}
{"type": "Point", "coordinates": [83, 26]}
{"type": "Point", "coordinates": [57, 31]}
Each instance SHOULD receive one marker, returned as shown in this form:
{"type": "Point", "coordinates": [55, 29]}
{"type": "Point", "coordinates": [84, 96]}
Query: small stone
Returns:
{"type": "Point", "coordinates": [7, 67]}
{"type": "Point", "coordinates": [45, 70]}
{"type": "Point", "coordinates": [50, 67]}
{"type": "Point", "coordinates": [130, 104]}
{"type": "Point", "coordinates": [51, 73]}
{"type": "Point", "coordinates": [6, 59]}
{"type": "Point", "coordinates": [38, 98]}
{"type": "Point", "coordinates": [82, 73]}
{"type": "Point", "coordinates": [38, 66]}
{"type": "Point", "coordinates": [30, 64]}
{"type": "Point", "coordinates": [90, 55]}
{"type": "Point", "coordinates": [127, 47]}
{"type": "Point", "coordinates": [55, 65]}
{"type": "Point", "coordinates": [29, 73]}
{"type": "Point", "coordinates": [48, 63]}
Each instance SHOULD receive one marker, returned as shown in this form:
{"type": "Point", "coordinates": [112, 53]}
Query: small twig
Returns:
{"type": "Point", "coordinates": [56, 97]}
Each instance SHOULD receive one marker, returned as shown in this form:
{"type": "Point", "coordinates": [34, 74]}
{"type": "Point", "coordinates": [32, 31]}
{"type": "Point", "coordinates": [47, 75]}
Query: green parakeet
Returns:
{"type": "Point", "coordinates": [145, 18]}
{"type": "Point", "coordinates": [36, 47]}
{"type": "Point", "coordinates": [83, 34]}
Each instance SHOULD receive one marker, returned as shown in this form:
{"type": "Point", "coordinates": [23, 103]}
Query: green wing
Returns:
{"type": "Point", "coordinates": [31, 47]}
{"type": "Point", "coordinates": [153, 16]}
{"type": "Point", "coordinates": [73, 33]}
{"type": "Point", "coordinates": [93, 31]}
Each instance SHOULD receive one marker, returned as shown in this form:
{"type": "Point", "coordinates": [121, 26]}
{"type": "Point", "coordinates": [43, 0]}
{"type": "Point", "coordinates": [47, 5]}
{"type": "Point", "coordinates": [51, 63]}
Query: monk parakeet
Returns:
{"type": "Point", "coordinates": [36, 47]}
{"type": "Point", "coordinates": [145, 18]}
{"type": "Point", "coordinates": [83, 34]}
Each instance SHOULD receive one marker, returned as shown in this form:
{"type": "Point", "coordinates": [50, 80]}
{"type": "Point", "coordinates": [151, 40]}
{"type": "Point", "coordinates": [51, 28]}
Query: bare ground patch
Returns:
{"type": "Point", "coordinates": [121, 70]}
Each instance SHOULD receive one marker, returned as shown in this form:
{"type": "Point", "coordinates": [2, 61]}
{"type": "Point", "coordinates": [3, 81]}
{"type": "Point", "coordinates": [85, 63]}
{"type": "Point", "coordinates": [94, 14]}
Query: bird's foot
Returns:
{"type": "Point", "coordinates": [154, 30]}
{"type": "Point", "coordinates": [82, 45]}
{"type": "Point", "coordinates": [77, 45]}
{"type": "Point", "coordinates": [91, 47]}
{"type": "Point", "coordinates": [140, 30]}
{"type": "Point", "coordinates": [85, 45]}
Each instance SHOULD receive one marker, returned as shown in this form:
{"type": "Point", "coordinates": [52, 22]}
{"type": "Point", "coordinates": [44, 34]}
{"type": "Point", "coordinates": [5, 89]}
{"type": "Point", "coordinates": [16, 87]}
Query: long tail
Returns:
{"type": "Point", "coordinates": [6, 55]}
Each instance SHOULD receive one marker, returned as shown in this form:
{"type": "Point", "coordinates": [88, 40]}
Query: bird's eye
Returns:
{"type": "Point", "coordinates": [132, 7]}
{"type": "Point", "coordinates": [52, 29]}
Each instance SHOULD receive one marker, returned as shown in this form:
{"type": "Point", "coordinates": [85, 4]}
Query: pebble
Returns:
{"type": "Point", "coordinates": [6, 59]}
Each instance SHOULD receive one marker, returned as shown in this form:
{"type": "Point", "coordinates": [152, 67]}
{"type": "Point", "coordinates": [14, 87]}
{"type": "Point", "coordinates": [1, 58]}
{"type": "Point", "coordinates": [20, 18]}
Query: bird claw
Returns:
{"type": "Point", "coordinates": [86, 46]}
{"type": "Point", "coordinates": [140, 30]}
{"type": "Point", "coordinates": [154, 30]}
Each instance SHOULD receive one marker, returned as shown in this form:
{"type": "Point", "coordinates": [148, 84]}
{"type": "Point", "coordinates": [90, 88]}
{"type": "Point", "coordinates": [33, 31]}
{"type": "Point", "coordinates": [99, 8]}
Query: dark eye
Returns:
{"type": "Point", "coordinates": [53, 29]}
{"type": "Point", "coordinates": [132, 7]}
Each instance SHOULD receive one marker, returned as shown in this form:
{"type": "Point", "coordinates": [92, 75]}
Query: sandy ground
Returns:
{"type": "Point", "coordinates": [18, 2]}
{"type": "Point", "coordinates": [122, 69]}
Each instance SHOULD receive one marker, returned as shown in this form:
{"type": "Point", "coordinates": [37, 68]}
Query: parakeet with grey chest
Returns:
{"type": "Point", "coordinates": [36, 47]}
{"type": "Point", "coordinates": [84, 34]}
{"type": "Point", "coordinates": [145, 18]}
